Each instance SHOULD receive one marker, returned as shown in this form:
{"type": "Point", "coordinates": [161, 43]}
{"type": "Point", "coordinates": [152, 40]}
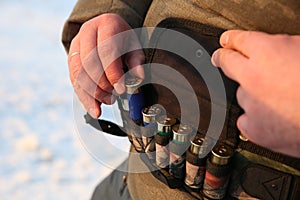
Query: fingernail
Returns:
{"type": "Point", "coordinates": [108, 99]}
{"type": "Point", "coordinates": [224, 39]}
{"type": "Point", "coordinates": [214, 58]}
{"type": "Point", "coordinates": [119, 88]}
{"type": "Point", "coordinates": [138, 71]}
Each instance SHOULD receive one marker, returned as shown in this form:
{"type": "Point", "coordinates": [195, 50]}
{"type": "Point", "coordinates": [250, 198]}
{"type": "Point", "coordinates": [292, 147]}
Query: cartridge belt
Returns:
{"type": "Point", "coordinates": [269, 184]}
{"type": "Point", "coordinates": [255, 179]}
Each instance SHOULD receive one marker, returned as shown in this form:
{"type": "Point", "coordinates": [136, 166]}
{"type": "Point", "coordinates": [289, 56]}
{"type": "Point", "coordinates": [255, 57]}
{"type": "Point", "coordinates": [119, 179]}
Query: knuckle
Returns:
{"type": "Point", "coordinates": [97, 76]}
{"type": "Point", "coordinates": [284, 38]}
{"type": "Point", "coordinates": [107, 50]}
{"type": "Point", "coordinates": [249, 106]}
{"type": "Point", "coordinates": [74, 62]}
{"type": "Point", "coordinates": [86, 26]}
{"type": "Point", "coordinates": [114, 19]}
{"type": "Point", "coordinates": [251, 77]}
{"type": "Point", "coordinates": [88, 86]}
{"type": "Point", "coordinates": [223, 58]}
{"type": "Point", "coordinates": [240, 97]}
{"type": "Point", "coordinates": [103, 97]}
{"type": "Point", "coordinates": [285, 42]}
{"type": "Point", "coordinates": [74, 74]}
{"type": "Point", "coordinates": [241, 119]}
{"type": "Point", "coordinates": [77, 88]}
{"type": "Point", "coordinates": [85, 101]}
{"type": "Point", "coordinates": [81, 78]}
{"type": "Point", "coordinates": [114, 77]}
{"type": "Point", "coordinates": [83, 98]}
{"type": "Point", "coordinates": [99, 94]}
{"type": "Point", "coordinates": [140, 55]}
{"type": "Point", "coordinates": [72, 79]}
{"type": "Point", "coordinates": [239, 92]}
{"type": "Point", "coordinates": [106, 86]}
{"type": "Point", "coordinates": [244, 37]}
{"type": "Point", "coordinates": [107, 16]}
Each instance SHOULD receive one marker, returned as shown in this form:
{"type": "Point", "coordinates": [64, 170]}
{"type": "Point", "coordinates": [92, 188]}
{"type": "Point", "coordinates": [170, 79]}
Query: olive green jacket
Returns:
{"type": "Point", "coordinates": [272, 16]}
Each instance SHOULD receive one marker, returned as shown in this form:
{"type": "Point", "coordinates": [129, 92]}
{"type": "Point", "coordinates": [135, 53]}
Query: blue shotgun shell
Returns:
{"type": "Point", "coordinates": [135, 98]}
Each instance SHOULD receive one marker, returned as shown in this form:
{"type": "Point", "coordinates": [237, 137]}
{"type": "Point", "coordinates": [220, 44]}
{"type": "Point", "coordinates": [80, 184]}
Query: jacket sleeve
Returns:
{"type": "Point", "coordinates": [133, 11]}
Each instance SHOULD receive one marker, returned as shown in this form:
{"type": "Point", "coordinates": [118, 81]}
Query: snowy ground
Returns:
{"type": "Point", "coordinates": [41, 156]}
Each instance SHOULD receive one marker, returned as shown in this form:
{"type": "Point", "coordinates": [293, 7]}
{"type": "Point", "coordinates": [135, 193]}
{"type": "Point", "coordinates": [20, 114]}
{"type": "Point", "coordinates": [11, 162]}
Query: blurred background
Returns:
{"type": "Point", "coordinates": [41, 153]}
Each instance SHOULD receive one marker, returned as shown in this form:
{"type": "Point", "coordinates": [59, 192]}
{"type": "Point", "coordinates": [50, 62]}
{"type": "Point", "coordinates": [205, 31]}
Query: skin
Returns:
{"type": "Point", "coordinates": [267, 69]}
{"type": "Point", "coordinates": [95, 79]}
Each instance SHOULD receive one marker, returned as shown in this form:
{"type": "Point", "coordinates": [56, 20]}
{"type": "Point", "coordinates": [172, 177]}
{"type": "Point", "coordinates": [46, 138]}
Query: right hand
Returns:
{"type": "Point", "coordinates": [267, 69]}
{"type": "Point", "coordinates": [95, 67]}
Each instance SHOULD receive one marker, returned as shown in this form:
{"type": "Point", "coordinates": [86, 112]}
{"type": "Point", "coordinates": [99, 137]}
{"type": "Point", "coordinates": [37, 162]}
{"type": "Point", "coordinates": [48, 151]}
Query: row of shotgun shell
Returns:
{"type": "Point", "coordinates": [178, 148]}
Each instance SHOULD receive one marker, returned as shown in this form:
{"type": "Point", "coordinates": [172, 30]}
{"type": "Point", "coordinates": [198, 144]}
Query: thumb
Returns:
{"type": "Point", "coordinates": [134, 61]}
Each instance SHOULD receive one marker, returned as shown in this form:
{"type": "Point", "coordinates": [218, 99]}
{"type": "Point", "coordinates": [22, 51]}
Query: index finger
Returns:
{"type": "Point", "coordinates": [233, 64]}
{"type": "Point", "coordinates": [117, 48]}
{"type": "Point", "coordinates": [245, 42]}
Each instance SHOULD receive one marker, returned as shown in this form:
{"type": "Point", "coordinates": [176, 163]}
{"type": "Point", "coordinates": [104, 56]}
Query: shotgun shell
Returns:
{"type": "Point", "coordinates": [218, 172]}
{"type": "Point", "coordinates": [150, 115]}
{"type": "Point", "coordinates": [178, 146]}
{"type": "Point", "coordinates": [162, 138]}
{"type": "Point", "coordinates": [196, 162]}
{"type": "Point", "coordinates": [135, 98]}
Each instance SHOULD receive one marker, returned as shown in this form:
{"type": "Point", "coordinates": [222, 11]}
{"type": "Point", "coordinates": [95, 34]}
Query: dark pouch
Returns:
{"type": "Point", "coordinates": [208, 38]}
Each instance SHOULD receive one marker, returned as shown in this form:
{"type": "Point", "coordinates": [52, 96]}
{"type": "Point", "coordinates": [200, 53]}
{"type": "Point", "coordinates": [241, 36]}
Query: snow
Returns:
{"type": "Point", "coordinates": [43, 154]}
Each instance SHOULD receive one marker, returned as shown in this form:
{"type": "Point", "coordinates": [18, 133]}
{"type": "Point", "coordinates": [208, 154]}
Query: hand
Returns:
{"type": "Point", "coordinates": [268, 71]}
{"type": "Point", "coordinates": [96, 61]}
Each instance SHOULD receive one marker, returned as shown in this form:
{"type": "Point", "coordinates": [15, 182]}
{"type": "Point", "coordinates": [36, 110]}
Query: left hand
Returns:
{"type": "Point", "coordinates": [96, 61]}
{"type": "Point", "coordinates": [267, 67]}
